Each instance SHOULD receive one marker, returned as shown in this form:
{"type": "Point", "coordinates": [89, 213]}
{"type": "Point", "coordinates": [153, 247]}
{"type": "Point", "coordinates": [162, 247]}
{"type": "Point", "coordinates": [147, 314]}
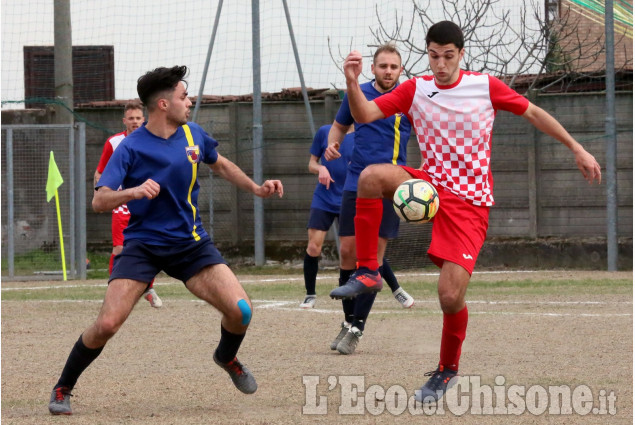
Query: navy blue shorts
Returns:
{"type": "Point", "coordinates": [389, 228]}
{"type": "Point", "coordinates": [321, 220]}
{"type": "Point", "coordinates": [142, 262]}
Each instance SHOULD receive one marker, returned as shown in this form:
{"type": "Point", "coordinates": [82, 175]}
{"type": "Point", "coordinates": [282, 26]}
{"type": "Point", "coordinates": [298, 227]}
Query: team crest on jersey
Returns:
{"type": "Point", "coordinates": [193, 154]}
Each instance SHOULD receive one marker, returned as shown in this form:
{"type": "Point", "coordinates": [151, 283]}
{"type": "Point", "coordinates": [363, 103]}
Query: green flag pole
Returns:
{"type": "Point", "coordinates": [53, 181]}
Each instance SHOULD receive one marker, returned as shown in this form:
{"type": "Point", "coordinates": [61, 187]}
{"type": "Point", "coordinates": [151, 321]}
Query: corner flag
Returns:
{"type": "Point", "coordinates": [54, 179]}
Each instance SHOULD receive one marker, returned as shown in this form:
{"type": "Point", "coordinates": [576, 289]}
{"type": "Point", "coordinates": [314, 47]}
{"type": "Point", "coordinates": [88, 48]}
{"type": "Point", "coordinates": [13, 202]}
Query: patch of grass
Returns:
{"type": "Point", "coordinates": [290, 285]}
{"type": "Point", "coordinates": [38, 260]}
{"type": "Point", "coordinates": [267, 270]}
{"type": "Point", "coordinates": [553, 286]}
{"type": "Point", "coordinates": [93, 291]}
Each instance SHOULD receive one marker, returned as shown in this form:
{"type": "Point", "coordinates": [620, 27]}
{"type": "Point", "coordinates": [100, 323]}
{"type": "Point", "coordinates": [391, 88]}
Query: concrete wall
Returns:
{"type": "Point", "coordinates": [539, 192]}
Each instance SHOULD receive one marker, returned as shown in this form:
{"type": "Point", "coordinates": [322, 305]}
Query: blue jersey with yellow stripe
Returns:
{"type": "Point", "coordinates": [172, 217]}
{"type": "Point", "coordinates": [378, 142]}
{"type": "Point", "coordinates": [330, 199]}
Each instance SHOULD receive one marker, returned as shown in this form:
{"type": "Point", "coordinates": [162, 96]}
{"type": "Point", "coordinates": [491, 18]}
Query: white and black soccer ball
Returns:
{"type": "Point", "coordinates": [415, 201]}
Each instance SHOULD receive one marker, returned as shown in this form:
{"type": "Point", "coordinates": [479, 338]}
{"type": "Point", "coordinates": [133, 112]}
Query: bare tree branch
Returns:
{"type": "Point", "coordinates": [506, 42]}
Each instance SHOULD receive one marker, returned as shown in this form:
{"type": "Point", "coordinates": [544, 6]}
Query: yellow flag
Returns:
{"type": "Point", "coordinates": [54, 179]}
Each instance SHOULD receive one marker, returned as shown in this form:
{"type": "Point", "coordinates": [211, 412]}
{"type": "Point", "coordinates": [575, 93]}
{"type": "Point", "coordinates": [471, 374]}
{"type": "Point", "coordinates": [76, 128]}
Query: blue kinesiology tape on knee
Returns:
{"type": "Point", "coordinates": [245, 310]}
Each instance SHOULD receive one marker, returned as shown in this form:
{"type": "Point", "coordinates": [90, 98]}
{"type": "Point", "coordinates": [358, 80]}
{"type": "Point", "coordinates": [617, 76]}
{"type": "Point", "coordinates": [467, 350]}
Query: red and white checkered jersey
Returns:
{"type": "Point", "coordinates": [453, 125]}
{"type": "Point", "coordinates": [122, 209]}
{"type": "Point", "coordinates": [109, 147]}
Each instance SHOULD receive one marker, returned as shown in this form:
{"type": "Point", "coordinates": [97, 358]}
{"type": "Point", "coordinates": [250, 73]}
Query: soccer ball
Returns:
{"type": "Point", "coordinates": [416, 201]}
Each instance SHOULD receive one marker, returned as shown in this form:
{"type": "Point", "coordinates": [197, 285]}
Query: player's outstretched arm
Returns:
{"type": "Point", "coordinates": [106, 199]}
{"type": "Point", "coordinates": [362, 109]}
{"type": "Point", "coordinates": [233, 174]}
{"type": "Point", "coordinates": [544, 122]}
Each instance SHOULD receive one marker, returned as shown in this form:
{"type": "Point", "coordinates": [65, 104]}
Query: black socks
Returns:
{"type": "Point", "coordinates": [78, 360]}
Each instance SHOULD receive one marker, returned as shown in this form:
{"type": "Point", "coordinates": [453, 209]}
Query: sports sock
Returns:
{"type": "Point", "coordinates": [386, 272]}
{"type": "Point", "coordinates": [347, 305]}
{"type": "Point", "coordinates": [78, 360]}
{"type": "Point", "coordinates": [112, 261]}
{"type": "Point", "coordinates": [363, 305]}
{"type": "Point", "coordinates": [228, 345]}
{"type": "Point", "coordinates": [367, 222]}
{"type": "Point", "coordinates": [310, 273]}
{"type": "Point", "coordinates": [452, 337]}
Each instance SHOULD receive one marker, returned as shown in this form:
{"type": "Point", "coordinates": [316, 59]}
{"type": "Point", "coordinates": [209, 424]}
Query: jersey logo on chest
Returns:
{"type": "Point", "coordinates": [193, 154]}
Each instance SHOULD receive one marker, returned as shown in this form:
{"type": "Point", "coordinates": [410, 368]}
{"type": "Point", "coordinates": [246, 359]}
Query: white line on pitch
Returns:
{"type": "Point", "coordinates": [280, 305]}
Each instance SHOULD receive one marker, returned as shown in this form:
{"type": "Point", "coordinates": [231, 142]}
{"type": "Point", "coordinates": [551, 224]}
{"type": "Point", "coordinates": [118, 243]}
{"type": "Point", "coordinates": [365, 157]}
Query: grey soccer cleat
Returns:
{"type": "Point", "coordinates": [348, 344]}
{"type": "Point", "coordinates": [363, 281]}
{"type": "Point", "coordinates": [240, 375]}
{"type": "Point", "coordinates": [345, 327]}
{"type": "Point", "coordinates": [60, 403]}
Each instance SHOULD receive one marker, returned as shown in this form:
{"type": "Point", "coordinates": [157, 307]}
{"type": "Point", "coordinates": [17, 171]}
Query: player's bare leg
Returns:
{"type": "Point", "coordinates": [453, 283]}
{"type": "Point", "coordinates": [218, 285]}
{"type": "Point", "coordinates": [375, 182]}
{"type": "Point", "coordinates": [380, 181]}
{"type": "Point", "coordinates": [311, 260]}
{"type": "Point", "coordinates": [121, 297]}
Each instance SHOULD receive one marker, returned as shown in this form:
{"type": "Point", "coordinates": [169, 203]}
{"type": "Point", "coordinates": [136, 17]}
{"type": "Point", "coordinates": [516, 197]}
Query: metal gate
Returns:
{"type": "Point", "coordinates": [31, 246]}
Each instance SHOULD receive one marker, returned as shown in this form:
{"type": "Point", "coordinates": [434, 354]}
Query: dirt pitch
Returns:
{"type": "Point", "coordinates": [158, 368]}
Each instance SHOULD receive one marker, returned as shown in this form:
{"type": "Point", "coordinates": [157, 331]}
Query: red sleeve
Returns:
{"type": "Point", "coordinates": [398, 100]}
{"type": "Point", "coordinates": [105, 157]}
{"type": "Point", "coordinates": [506, 99]}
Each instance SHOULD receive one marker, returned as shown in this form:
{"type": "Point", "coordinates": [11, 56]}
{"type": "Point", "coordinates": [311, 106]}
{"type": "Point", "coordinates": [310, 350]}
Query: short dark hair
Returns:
{"type": "Point", "coordinates": [155, 83]}
{"type": "Point", "coordinates": [132, 104]}
{"type": "Point", "coordinates": [386, 48]}
{"type": "Point", "coordinates": [445, 32]}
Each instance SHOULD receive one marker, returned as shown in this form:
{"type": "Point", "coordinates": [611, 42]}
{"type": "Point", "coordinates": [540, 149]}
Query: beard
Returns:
{"type": "Point", "coordinates": [384, 85]}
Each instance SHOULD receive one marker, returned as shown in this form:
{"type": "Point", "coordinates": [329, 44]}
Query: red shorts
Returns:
{"type": "Point", "coordinates": [459, 228]}
{"type": "Point", "coordinates": [119, 223]}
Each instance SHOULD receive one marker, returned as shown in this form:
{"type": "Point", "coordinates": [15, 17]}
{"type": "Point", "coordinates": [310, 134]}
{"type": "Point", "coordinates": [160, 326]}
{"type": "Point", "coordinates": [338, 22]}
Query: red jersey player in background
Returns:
{"type": "Point", "coordinates": [452, 112]}
{"type": "Point", "coordinates": [132, 119]}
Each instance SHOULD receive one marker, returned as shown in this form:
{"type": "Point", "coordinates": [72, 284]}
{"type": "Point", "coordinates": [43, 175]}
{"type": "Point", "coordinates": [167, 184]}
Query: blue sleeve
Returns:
{"type": "Point", "coordinates": [208, 148]}
{"type": "Point", "coordinates": [116, 169]}
{"type": "Point", "coordinates": [344, 115]}
{"type": "Point", "coordinates": [320, 141]}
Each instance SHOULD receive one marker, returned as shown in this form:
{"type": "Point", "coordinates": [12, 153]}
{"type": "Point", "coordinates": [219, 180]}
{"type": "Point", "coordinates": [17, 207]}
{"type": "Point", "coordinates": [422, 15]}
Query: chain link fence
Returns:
{"type": "Point", "coordinates": [31, 246]}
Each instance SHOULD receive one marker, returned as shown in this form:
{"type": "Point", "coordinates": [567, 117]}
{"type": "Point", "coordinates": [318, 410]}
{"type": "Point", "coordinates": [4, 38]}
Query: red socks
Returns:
{"type": "Point", "coordinates": [367, 222]}
{"type": "Point", "coordinates": [452, 337]}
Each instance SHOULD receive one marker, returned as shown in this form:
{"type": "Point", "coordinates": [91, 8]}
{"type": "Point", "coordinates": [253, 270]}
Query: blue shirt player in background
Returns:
{"type": "Point", "coordinates": [382, 141]}
{"type": "Point", "coordinates": [156, 166]}
{"type": "Point", "coordinates": [325, 206]}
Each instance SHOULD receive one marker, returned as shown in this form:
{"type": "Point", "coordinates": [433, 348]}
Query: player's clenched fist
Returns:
{"type": "Point", "coordinates": [149, 189]}
{"type": "Point", "coordinates": [353, 65]}
{"type": "Point", "coordinates": [332, 152]}
{"type": "Point", "coordinates": [269, 187]}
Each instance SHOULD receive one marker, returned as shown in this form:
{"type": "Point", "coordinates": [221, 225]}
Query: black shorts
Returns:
{"type": "Point", "coordinates": [389, 228]}
{"type": "Point", "coordinates": [321, 220]}
{"type": "Point", "coordinates": [142, 262]}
